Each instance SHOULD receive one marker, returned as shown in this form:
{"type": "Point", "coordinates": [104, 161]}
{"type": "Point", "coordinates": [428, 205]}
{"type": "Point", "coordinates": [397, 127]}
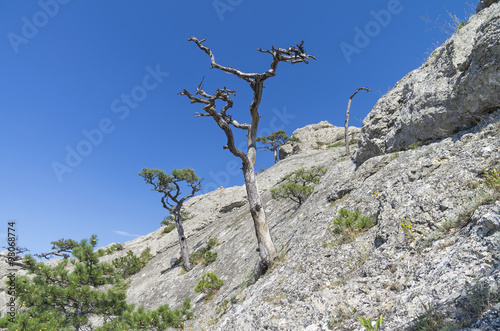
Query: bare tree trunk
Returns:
{"type": "Point", "coordinates": [257, 87]}
{"type": "Point", "coordinates": [346, 128]}
{"type": "Point", "coordinates": [267, 251]}
{"type": "Point", "coordinates": [347, 118]}
{"type": "Point", "coordinates": [182, 238]}
{"type": "Point", "coordinates": [276, 156]}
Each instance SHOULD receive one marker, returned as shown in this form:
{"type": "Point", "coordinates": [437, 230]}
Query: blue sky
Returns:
{"type": "Point", "coordinates": [88, 94]}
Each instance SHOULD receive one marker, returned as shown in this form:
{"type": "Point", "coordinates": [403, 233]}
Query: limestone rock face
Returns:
{"type": "Point", "coordinates": [457, 87]}
{"type": "Point", "coordinates": [316, 137]}
{"type": "Point", "coordinates": [484, 4]}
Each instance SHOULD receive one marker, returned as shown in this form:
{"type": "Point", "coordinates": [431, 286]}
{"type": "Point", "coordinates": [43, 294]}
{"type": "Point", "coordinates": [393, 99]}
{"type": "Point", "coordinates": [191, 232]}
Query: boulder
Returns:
{"type": "Point", "coordinates": [316, 137]}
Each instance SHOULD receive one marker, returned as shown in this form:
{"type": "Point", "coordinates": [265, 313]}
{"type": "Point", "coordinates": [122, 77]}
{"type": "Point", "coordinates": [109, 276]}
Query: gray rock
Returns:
{"type": "Point", "coordinates": [316, 137]}
{"type": "Point", "coordinates": [457, 86]}
{"type": "Point", "coordinates": [487, 219]}
{"type": "Point", "coordinates": [484, 4]}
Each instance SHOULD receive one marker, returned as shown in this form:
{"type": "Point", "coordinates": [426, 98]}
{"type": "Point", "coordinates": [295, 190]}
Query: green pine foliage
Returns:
{"type": "Point", "coordinates": [204, 255]}
{"type": "Point", "coordinates": [212, 242]}
{"type": "Point", "coordinates": [169, 228]}
{"type": "Point", "coordinates": [274, 141]}
{"type": "Point", "coordinates": [169, 221]}
{"type": "Point", "coordinates": [65, 296]}
{"type": "Point", "coordinates": [348, 225]}
{"type": "Point", "coordinates": [161, 318]}
{"type": "Point", "coordinates": [115, 247]}
{"type": "Point", "coordinates": [492, 179]}
{"type": "Point", "coordinates": [297, 186]}
{"type": "Point", "coordinates": [130, 264]}
{"type": "Point", "coordinates": [185, 215]}
{"type": "Point", "coordinates": [209, 257]}
{"type": "Point", "coordinates": [209, 284]}
{"type": "Point", "coordinates": [353, 219]}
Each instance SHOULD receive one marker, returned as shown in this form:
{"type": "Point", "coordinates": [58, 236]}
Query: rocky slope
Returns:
{"type": "Point", "coordinates": [324, 280]}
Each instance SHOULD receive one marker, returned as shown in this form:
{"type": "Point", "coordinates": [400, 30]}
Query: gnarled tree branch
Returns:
{"type": "Point", "coordinates": [292, 54]}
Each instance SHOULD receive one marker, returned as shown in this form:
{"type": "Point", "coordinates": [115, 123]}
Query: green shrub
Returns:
{"type": "Point", "coordinates": [353, 219]}
{"type": "Point", "coordinates": [429, 320]}
{"type": "Point", "coordinates": [212, 242]}
{"type": "Point", "coordinates": [394, 156]}
{"type": "Point", "coordinates": [168, 228]}
{"type": "Point", "coordinates": [349, 224]}
{"type": "Point", "coordinates": [130, 264]}
{"type": "Point", "coordinates": [492, 179]}
{"type": "Point", "coordinates": [342, 143]}
{"type": "Point", "coordinates": [365, 222]}
{"type": "Point", "coordinates": [479, 198]}
{"type": "Point", "coordinates": [478, 299]}
{"type": "Point", "coordinates": [162, 318]}
{"type": "Point", "coordinates": [209, 257]}
{"type": "Point", "coordinates": [337, 144]}
{"type": "Point", "coordinates": [203, 254]}
{"type": "Point", "coordinates": [209, 284]}
{"type": "Point", "coordinates": [197, 256]}
{"type": "Point", "coordinates": [115, 247]}
{"type": "Point", "coordinates": [415, 145]}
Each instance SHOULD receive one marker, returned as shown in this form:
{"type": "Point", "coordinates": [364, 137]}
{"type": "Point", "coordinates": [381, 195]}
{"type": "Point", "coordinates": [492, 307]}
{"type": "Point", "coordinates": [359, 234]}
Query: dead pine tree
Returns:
{"type": "Point", "coordinates": [347, 117]}
{"type": "Point", "coordinates": [293, 54]}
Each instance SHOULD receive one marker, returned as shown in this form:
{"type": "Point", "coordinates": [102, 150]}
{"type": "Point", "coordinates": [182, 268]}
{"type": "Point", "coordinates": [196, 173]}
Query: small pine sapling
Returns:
{"type": "Point", "coordinates": [274, 141]}
{"type": "Point", "coordinates": [297, 186]}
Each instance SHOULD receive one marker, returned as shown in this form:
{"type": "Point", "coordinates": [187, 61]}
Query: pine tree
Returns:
{"type": "Point", "coordinates": [65, 296]}
{"type": "Point", "coordinates": [169, 185]}
{"type": "Point", "coordinates": [297, 186]}
{"type": "Point", "coordinates": [274, 141]}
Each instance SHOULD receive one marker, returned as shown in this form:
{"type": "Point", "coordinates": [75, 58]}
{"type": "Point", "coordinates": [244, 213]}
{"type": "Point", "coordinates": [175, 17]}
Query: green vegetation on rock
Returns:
{"type": "Point", "coordinates": [64, 297]}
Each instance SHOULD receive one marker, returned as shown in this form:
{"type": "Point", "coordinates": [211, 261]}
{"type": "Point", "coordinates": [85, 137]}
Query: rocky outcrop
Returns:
{"type": "Point", "coordinates": [386, 271]}
{"type": "Point", "coordinates": [484, 4]}
{"type": "Point", "coordinates": [457, 87]}
{"type": "Point", "coordinates": [316, 137]}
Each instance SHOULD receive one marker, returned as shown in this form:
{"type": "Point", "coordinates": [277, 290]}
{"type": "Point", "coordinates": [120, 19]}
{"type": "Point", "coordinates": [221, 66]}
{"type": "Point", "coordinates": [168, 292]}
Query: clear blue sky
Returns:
{"type": "Point", "coordinates": [100, 79]}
